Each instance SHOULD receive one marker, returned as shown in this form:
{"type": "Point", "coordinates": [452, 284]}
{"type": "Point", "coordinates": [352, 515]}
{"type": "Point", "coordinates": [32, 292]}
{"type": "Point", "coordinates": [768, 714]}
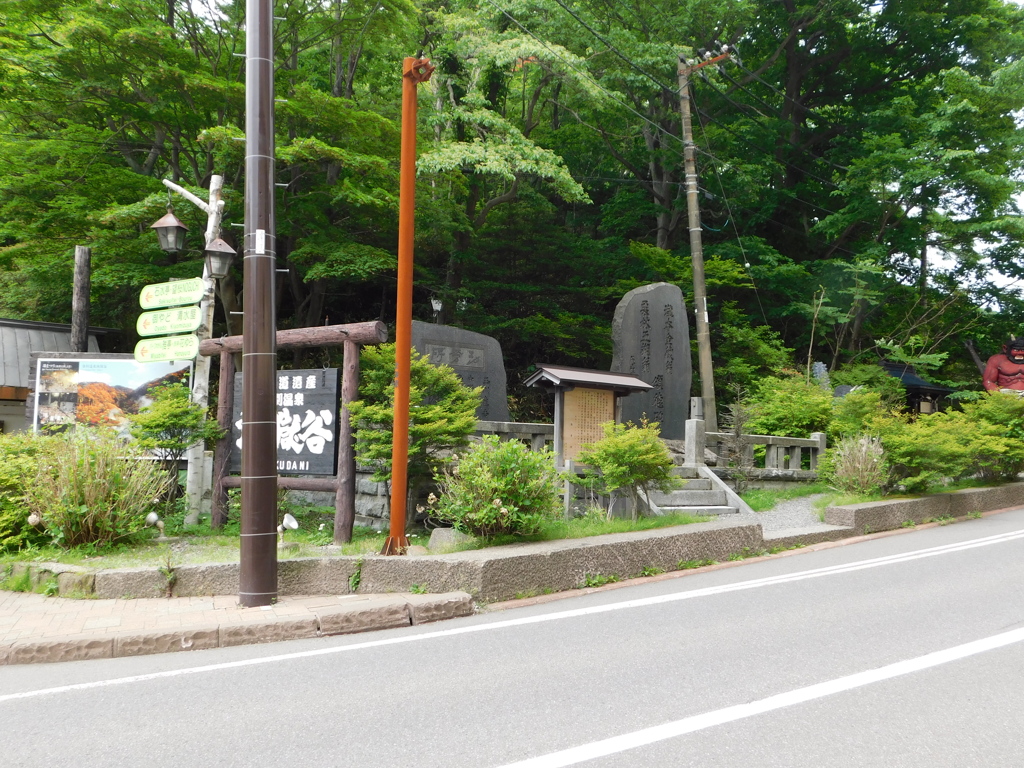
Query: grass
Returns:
{"type": "Point", "coordinates": [199, 544]}
{"type": "Point", "coordinates": [763, 499]}
{"type": "Point", "coordinates": [194, 546]}
{"type": "Point", "coordinates": [585, 527]}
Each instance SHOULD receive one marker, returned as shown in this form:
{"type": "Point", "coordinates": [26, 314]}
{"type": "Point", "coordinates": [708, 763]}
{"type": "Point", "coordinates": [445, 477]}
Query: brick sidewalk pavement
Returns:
{"type": "Point", "coordinates": [36, 628]}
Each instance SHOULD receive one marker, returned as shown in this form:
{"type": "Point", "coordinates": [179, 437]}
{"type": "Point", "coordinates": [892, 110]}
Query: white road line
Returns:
{"type": "Point", "coordinates": [538, 619]}
{"type": "Point", "coordinates": [640, 738]}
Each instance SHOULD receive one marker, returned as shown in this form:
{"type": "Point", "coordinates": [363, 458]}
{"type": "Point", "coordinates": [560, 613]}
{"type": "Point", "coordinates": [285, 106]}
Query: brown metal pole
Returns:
{"type": "Point", "coordinates": [345, 497]}
{"type": "Point", "coordinates": [258, 571]}
{"type": "Point", "coordinates": [414, 71]}
{"type": "Point", "coordinates": [222, 451]}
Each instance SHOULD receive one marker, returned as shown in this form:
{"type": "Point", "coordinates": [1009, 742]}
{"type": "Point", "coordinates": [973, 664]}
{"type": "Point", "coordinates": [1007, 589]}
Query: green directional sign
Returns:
{"type": "Point", "coordinates": [167, 348]}
{"type": "Point", "coordinates": [172, 294]}
{"type": "Point", "coordinates": [164, 321]}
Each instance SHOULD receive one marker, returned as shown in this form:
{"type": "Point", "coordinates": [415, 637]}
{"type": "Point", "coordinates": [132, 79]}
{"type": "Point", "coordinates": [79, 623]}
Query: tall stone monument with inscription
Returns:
{"type": "Point", "coordinates": [651, 340]}
{"type": "Point", "coordinates": [474, 356]}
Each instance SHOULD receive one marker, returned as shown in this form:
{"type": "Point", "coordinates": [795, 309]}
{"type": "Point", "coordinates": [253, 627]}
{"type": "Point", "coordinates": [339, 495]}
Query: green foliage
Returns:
{"type": "Point", "coordinates": [852, 412]}
{"type": "Point", "coordinates": [789, 406]}
{"type": "Point", "coordinates": [871, 377]}
{"type": "Point", "coordinates": [172, 423]}
{"type": "Point", "coordinates": [441, 412]}
{"type": "Point", "coordinates": [18, 458]}
{"type": "Point", "coordinates": [591, 580]}
{"type": "Point", "coordinates": [747, 352]}
{"type": "Point", "coordinates": [498, 488]}
{"type": "Point", "coordinates": [169, 426]}
{"type": "Point", "coordinates": [983, 439]}
{"type": "Point", "coordinates": [631, 457]}
{"type": "Point", "coordinates": [90, 487]}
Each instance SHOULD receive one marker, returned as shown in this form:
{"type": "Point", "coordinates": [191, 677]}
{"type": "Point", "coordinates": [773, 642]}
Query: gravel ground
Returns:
{"type": "Point", "coordinates": [792, 513]}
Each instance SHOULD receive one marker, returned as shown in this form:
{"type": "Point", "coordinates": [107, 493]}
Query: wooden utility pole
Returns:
{"type": "Point", "coordinates": [700, 296]}
{"type": "Point", "coordinates": [80, 300]}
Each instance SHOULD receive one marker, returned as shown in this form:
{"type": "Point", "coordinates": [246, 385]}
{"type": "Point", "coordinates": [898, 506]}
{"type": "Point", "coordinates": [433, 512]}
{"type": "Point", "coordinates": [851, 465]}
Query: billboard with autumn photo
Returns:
{"type": "Point", "coordinates": [98, 391]}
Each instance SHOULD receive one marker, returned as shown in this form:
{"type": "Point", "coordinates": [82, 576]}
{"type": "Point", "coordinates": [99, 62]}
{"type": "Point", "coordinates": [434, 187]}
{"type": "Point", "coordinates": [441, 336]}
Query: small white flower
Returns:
{"type": "Point", "coordinates": [322, 526]}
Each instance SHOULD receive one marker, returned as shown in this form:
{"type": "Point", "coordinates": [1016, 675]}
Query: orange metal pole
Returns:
{"type": "Point", "coordinates": [414, 71]}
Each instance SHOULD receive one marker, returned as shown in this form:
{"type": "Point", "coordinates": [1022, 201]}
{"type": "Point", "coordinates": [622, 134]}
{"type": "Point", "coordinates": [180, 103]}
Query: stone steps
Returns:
{"type": "Point", "coordinates": [697, 484]}
{"type": "Point", "coordinates": [689, 498]}
{"type": "Point", "coordinates": [699, 511]}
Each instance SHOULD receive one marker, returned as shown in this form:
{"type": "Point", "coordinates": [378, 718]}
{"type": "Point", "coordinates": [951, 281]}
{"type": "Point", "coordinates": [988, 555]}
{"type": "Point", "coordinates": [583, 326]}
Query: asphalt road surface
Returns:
{"type": "Point", "coordinates": [901, 651]}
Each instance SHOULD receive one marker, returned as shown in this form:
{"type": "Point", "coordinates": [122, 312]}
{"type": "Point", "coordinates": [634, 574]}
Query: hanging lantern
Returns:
{"type": "Point", "coordinates": [219, 256]}
{"type": "Point", "coordinates": [171, 232]}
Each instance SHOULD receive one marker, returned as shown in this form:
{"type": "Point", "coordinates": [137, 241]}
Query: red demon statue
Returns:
{"type": "Point", "coordinates": [1006, 370]}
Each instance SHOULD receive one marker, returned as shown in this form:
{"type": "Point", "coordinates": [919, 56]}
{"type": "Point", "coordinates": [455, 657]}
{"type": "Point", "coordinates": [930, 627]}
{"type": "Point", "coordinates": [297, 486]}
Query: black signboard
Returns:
{"type": "Point", "coordinates": [307, 422]}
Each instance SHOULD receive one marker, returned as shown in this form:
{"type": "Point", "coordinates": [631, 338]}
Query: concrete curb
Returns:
{"type": "Point", "coordinates": [366, 615]}
{"type": "Point", "coordinates": [887, 515]}
{"type": "Point", "coordinates": [813, 547]}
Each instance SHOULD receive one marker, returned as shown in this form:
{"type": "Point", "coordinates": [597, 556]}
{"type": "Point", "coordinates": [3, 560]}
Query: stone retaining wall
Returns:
{"type": "Point", "coordinates": [887, 515]}
{"type": "Point", "coordinates": [495, 573]}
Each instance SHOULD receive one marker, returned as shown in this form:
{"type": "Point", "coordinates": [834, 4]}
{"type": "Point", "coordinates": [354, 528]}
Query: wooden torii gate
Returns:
{"type": "Point", "coordinates": [351, 337]}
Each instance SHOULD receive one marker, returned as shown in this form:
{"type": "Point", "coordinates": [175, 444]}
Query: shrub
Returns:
{"type": "Point", "coordinates": [498, 488]}
{"type": "Point", "coordinates": [1000, 420]}
{"type": "Point", "coordinates": [442, 412]}
{"type": "Point", "coordinates": [18, 457]}
{"type": "Point", "coordinates": [855, 465]}
{"type": "Point", "coordinates": [985, 439]}
{"type": "Point", "coordinates": [790, 407]}
{"type": "Point", "coordinates": [90, 487]}
{"type": "Point", "coordinates": [170, 425]}
{"type": "Point", "coordinates": [631, 457]}
{"type": "Point", "coordinates": [852, 412]}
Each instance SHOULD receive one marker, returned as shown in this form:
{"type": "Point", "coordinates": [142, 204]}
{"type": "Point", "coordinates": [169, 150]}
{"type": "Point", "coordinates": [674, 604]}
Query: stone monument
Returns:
{"type": "Point", "coordinates": [474, 356]}
{"type": "Point", "coordinates": [651, 340]}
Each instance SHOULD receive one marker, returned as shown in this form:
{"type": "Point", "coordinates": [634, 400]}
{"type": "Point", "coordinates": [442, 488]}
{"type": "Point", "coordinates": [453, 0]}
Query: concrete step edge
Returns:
{"type": "Point", "coordinates": [402, 611]}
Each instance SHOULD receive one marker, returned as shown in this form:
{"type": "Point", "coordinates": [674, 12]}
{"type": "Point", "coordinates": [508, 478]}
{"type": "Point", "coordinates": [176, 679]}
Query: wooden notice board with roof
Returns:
{"type": "Point", "coordinates": [584, 400]}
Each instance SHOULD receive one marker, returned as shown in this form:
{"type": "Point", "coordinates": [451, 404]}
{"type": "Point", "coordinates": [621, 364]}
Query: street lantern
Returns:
{"type": "Point", "coordinates": [170, 231]}
{"type": "Point", "coordinates": [218, 258]}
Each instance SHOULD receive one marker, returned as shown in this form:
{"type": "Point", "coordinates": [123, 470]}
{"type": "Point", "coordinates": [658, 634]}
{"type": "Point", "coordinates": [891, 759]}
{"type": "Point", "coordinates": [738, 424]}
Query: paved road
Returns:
{"type": "Point", "coordinates": [900, 651]}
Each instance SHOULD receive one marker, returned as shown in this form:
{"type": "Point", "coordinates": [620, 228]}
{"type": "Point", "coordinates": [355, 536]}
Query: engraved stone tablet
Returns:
{"type": "Point", "coordinates": [651, 340]}
{"type": "Point", "coordinates": [475, 357]}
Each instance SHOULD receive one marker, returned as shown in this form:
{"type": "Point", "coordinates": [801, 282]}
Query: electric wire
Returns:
{"type": "Point", "coordinates": [739, 240]}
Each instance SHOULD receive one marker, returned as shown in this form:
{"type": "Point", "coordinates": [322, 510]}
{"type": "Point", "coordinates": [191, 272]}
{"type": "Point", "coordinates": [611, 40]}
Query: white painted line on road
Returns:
{"type": "Point", "coordinates": [671, 730]}
{"type": "Point", "coordinates": [538, 619]}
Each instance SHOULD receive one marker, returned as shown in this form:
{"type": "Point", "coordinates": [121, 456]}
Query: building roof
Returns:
{"type": "Point", "coordinates": [565, 377]}
{"type": "Point", "coordinates": [906, 374]}
{"type": "Point", "coordinates": [19, 338]}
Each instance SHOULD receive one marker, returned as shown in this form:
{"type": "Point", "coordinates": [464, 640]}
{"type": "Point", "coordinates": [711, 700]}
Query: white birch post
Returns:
{"type": "Point", "coordinates": [196, 455]}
